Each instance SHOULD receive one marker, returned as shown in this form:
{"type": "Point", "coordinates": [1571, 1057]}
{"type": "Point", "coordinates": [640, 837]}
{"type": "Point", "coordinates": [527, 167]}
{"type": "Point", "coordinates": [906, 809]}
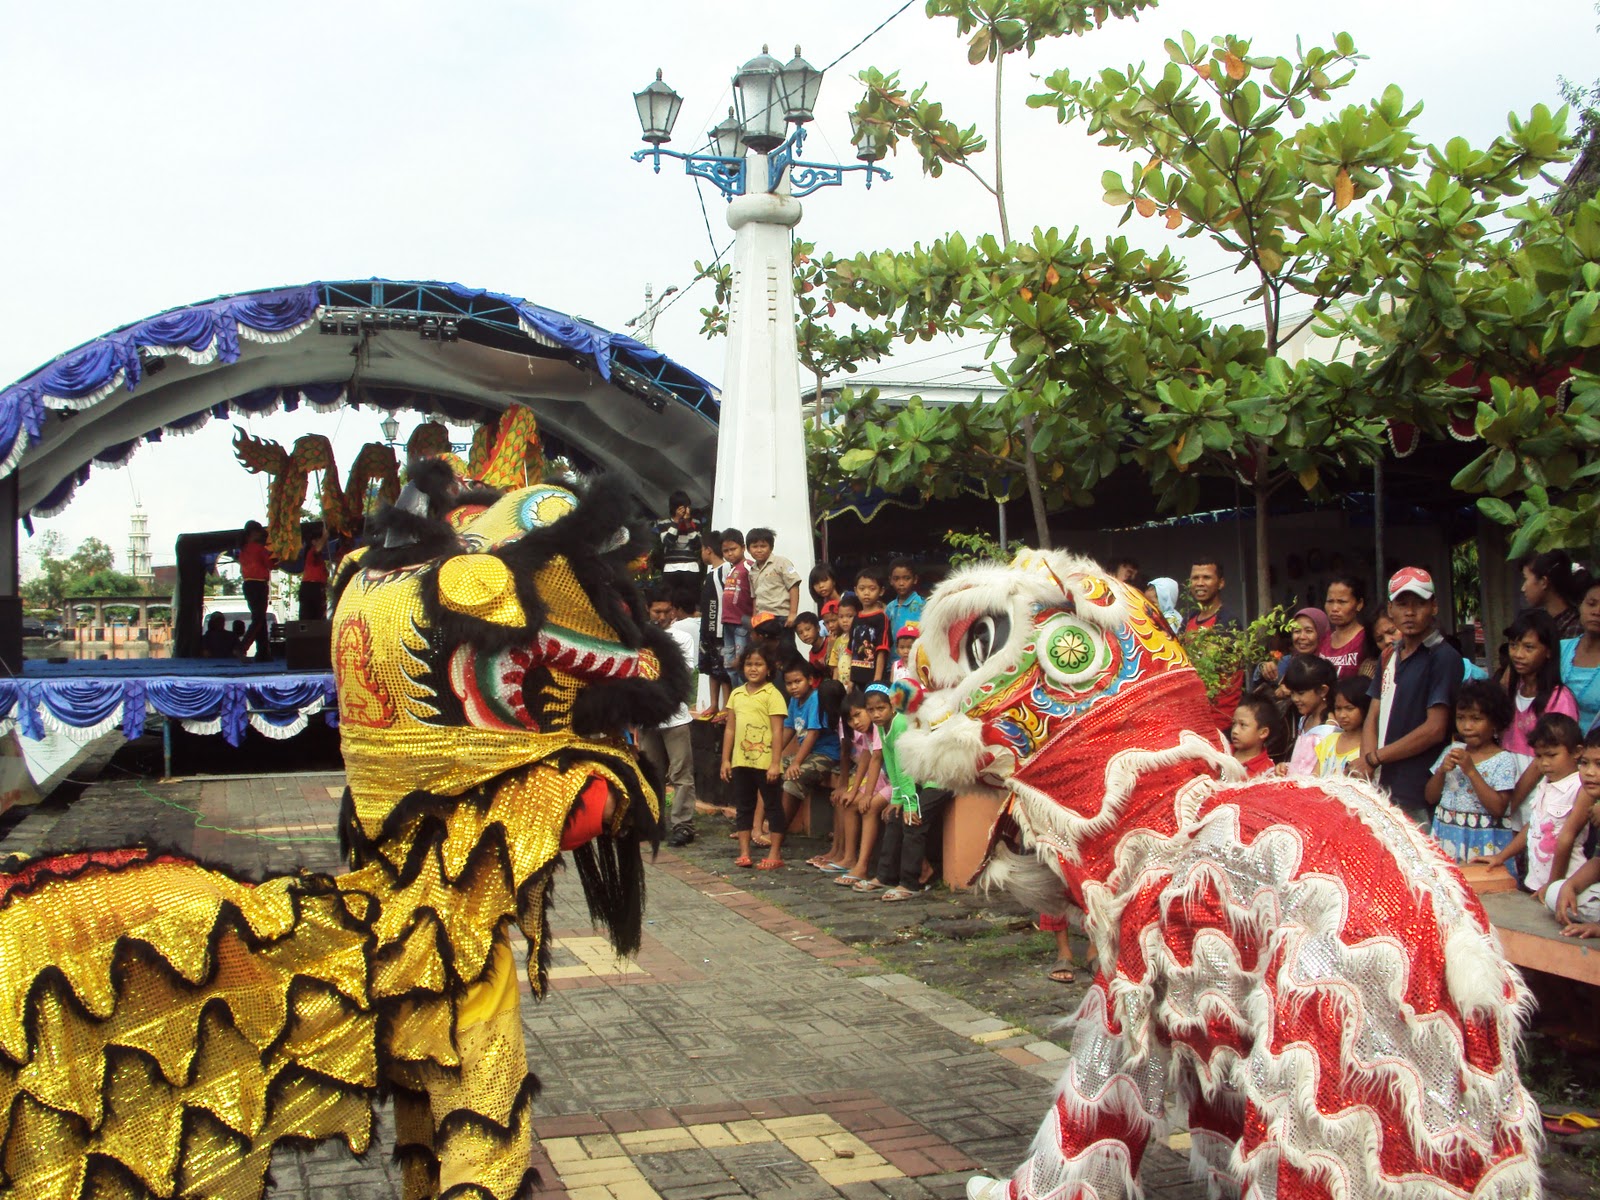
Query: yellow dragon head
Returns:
{"type": "Point", "coordinates": [480, 632]}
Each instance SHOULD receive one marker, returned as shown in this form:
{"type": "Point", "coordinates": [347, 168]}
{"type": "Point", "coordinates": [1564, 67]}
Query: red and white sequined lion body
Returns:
{"type": "Point", "coordinates": [1290, 963]}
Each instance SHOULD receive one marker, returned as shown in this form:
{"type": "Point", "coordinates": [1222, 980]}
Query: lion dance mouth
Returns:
{"type": "Point", "coordinates": [164, 1024]}
{"type": "Point", "coordinates": [1287, 964]}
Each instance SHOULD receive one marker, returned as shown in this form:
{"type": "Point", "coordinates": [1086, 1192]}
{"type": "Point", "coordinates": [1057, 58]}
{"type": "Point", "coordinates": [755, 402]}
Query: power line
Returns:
{"type": "Point", "coordinates": [869, 36]}
{"type": "Point", "coordinates": [916, 362]}
{"type": "Point", "coordinates": [716, 255]}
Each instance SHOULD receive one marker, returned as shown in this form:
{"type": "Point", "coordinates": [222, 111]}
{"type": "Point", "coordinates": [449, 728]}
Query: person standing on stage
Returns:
{"type": "Point", "coordinates": [255, 564]}
{"type": "Point", "coordinates": [312, 567]}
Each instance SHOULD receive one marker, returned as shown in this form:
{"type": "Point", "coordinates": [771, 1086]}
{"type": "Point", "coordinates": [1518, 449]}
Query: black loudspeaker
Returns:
{"type": "Point", "coordinates": [11, 634]}
{"type": "Point", "coordinates": [306, 645]}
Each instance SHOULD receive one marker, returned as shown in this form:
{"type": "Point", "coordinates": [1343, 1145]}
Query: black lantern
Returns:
{"type": "Point", "coordinates": [725, 138]}
{"type": "Point", "coordinates": [867, 135]}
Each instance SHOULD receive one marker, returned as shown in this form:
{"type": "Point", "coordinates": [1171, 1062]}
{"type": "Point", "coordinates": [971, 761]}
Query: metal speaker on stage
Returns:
{"type": "Point", "coordinates": [307, 645]}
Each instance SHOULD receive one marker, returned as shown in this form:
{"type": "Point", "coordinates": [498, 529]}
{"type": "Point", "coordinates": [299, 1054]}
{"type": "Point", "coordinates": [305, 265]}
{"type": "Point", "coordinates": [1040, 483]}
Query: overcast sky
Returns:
{"type": "Point", "coordinates": [160, 154]}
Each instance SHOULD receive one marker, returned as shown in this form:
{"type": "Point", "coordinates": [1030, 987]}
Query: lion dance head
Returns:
{"type": "Point", "coordinates": [489, 645]}
{"type": "Point", "coordinates": [1014, 659]}
{"type": "Point", "coordinates": [1028, 679]}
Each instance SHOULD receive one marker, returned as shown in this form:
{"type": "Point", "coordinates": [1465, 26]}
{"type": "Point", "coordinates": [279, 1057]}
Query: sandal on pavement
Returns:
{"type": "Point", "coordinates": [1061, 972]}
{"type": "Point", "coordinates": [1569, 1122]}
{"type": "Point", "coordinates": [847, 879]}
{"type": "Point", "coordinates": [743, 861]}
{"type": "Point", "coordinates": [834, 868]}
{"type": "Point", "coordinates": [896, 894]}
{"type": "Point", "coordinates": [867, 885]}
{"type": "Point", "coordinates": [819, 861]}
{"type": "Point", "coordinates": [770, 864]}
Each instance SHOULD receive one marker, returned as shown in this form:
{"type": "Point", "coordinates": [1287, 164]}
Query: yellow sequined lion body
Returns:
{"type": "Point", "coordinates": [163, 1024]}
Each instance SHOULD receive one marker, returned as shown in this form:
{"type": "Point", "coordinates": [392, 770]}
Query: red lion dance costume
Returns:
{"type": "Point", "coordinates": [1290, 960]}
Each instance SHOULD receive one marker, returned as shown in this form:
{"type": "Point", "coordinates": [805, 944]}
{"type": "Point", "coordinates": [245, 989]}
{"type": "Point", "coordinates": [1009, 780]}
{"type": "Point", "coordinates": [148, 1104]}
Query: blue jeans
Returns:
{"type": "Point", "coordinates": [734, 639]}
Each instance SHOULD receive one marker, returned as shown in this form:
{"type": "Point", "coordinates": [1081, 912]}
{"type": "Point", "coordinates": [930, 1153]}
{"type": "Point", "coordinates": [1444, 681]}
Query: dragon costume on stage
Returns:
{"type": "Point", "coordinates": [164, 1025]}
{"type": "Point", "coordinates": [506, 453]}
{"type": "Point", "coordinates": [1289, 961]}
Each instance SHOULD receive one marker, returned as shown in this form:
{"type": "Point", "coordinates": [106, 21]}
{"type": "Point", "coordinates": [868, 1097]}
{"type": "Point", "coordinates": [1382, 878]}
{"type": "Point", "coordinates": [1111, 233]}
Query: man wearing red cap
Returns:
{"type": "Point", "coordinates": [1415, 693]}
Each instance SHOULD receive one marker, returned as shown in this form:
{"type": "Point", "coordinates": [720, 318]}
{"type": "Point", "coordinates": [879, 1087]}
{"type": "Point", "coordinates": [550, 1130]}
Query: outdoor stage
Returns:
{"type": "Point", "coordinates": [84, 700]}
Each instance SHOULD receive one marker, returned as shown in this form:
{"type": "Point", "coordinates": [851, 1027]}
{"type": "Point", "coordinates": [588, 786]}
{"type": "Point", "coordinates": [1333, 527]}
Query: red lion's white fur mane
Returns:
{"type": "Point", "coordinates": [1289, 964]}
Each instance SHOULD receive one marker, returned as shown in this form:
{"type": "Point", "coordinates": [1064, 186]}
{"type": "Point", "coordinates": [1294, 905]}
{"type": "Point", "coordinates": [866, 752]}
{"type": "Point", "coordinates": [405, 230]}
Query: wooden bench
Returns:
{"type": "Point", "coordinates": [1530, 936]}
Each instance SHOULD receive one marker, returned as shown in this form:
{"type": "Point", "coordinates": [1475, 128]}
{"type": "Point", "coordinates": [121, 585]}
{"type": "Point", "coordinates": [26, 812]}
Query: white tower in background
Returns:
{"type": "Point", "coordinates": [139, 546]}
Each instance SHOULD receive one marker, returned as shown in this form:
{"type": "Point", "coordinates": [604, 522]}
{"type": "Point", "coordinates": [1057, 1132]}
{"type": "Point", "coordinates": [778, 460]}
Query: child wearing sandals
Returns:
{"type": "Point", "coordinates": [749, 755]}
{"type": "Point", "coordinates": [903, 857]}
{"type": "Point", "coordinates": [860, 768]}
{"type": "Point", "coordinates": [868, 794]}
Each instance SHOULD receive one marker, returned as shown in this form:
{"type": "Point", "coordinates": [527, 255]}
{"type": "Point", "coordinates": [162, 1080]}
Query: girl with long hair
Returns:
{"type": "Point", "coordinates": [1534, 678]}
{"type": "Point", "coordinates": [1580, 658]}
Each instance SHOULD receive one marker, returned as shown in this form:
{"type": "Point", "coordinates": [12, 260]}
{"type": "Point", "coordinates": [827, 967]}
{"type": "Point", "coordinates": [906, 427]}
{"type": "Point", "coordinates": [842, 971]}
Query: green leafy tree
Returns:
{"type": "Point", "coordinates": [1052, 303]}
{"type": "Point", "coordinates": [87, 571]}
{"type": "Point", "coordinates": [1541, 457]}
{"type": "Point", "coordinates": [106, 583]}
{"type": "Point", "coordinates": [1321, 211]}
{"type": "Point", "coordinates": [91, 557]}
{"type": "Point", "coordinates": [889, 115]}
{"type": "Point", "coordinates": [1223, 149]}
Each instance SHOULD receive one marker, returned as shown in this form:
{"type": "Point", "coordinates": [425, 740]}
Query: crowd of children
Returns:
{"type": "Point", "coordinates": [1499, 769]}
{"type": "Point", "coordinates": [1515, 786]}
{"type": "Point", "coordinates": [807, 708]}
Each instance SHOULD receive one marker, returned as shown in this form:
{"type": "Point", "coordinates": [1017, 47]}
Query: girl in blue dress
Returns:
{"type": "Point", "coordinates": [1473, 779]}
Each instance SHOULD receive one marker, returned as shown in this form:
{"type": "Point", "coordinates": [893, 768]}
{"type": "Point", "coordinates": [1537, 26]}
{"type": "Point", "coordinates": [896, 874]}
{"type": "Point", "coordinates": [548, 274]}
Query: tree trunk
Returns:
{"type": "Point", "coordinates": [999, 161]}
{"type": "Point", "coordinates": [1030, 468]}
{"type": "Point", "coordinates": [1263, 495]}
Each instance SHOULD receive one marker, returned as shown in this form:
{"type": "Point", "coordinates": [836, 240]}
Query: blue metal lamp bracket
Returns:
{"type": "Point", "coordinates": [807, 177]}
{"type": "Point", "coordinates": [727, 174]}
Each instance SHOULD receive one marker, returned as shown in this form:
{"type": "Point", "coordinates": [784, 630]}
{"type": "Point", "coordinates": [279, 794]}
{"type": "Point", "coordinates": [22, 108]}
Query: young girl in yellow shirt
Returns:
{"type": "Point", "coordinates": [749, 759]}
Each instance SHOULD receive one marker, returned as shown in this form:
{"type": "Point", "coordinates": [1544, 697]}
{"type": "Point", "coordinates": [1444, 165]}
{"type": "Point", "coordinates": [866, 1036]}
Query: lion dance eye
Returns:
{"type": "Point", "coordinates": [1074, 655]}
{"type": "Point", "coordinates": [984, 637]}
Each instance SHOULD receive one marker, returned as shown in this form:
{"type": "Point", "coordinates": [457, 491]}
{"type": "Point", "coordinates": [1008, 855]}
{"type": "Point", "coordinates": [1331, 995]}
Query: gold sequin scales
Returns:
{"type": "Point", "coordinates": [163, 1016]}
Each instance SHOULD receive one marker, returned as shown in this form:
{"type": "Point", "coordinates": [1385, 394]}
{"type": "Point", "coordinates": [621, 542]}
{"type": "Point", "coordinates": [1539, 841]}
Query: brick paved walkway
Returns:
{"type": "Point", "coordinates": [743, 1053]}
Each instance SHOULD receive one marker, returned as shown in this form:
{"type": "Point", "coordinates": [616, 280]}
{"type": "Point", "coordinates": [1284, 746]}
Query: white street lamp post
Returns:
{"type": "Point", "coordinates": [761, 448]}
{"type": "Point", "coordinates": [761, 442]}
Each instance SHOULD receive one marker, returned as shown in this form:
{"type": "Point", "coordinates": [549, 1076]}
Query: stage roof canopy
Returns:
{"type": "Point", "coordinates": [603, 399]}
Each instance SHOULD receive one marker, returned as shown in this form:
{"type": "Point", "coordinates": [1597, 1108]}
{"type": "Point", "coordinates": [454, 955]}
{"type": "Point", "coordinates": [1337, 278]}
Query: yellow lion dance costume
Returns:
{"type": "Point", "coordinates": [164, 1025]}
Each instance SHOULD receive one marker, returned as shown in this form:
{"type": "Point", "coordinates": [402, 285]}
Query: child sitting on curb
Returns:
{"type": "Point", "coordinates": [811, 740]}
